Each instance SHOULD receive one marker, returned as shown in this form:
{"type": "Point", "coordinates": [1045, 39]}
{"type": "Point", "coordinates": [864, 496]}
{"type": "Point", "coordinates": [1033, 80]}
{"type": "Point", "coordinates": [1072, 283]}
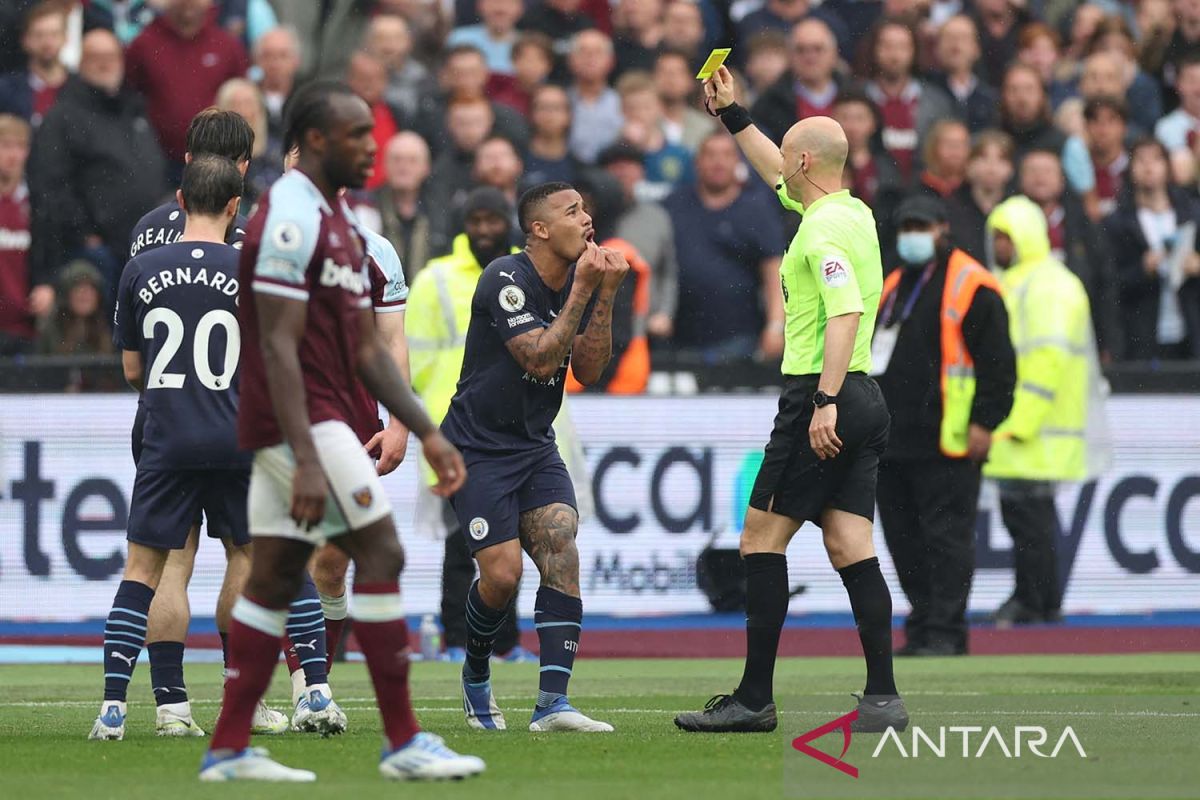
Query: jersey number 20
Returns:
{"type": "Point", "coordinates": [159, 378]}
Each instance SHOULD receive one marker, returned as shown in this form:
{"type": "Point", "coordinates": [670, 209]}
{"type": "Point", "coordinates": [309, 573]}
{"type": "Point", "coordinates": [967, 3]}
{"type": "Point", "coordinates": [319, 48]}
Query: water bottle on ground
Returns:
{"type": "Point", "coordinates": [431, 638]}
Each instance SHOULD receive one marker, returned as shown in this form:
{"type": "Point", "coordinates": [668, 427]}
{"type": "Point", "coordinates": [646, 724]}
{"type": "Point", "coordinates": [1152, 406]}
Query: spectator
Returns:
{"type": "Point", "coordinates": [683, 28]}
{"type": "Point", "coordinates": [1184, 44]}
{"type": "Point", "coordinates": [1084, 22]}
{"type": "Point", "coordinates": [95, 166]}
{"type": "Point", "coordinates": [1025, 116]}
{"type": "Point", "coordinates": [1038, 47]}
{"type": "Point", "coordinates": [666, 165]}
{"type": "Point", "coordinates": [907, 105]}
{"type": "Point", "coordinates": [367, 77]}
{"type": "Point", "coordinates": [782, 15]}
{"type": "Point", "coordinates": [682, 123]}
{"type": "Point", "coordinates": [187, 34]}
{"type": "Point", "coordinates": [560, 20]}
{"type": "Point", "coordinates": [498, 165]}
{"type": "Point", "coordinates": [595, 106]}
{"type": "Point", "coordinates": [468, 123]}
{"type": "Point", "coordinates": [1044, 439]}
{"type": "Point", "coordinates": [494, 36]}
{"type": "Point", "coordinates": [329, 32]}
{"type": "Point", "coordinates": [128, 18]}
{"type": "Point", "coordinates": [427, 22]}
{"type": "Point", "coordinates": [989, 172]}
{"type": "Point", "coordinates": [243, 97]}
{"type": "Point", "coordinates": [766, 62]}
{"type": "Point", "coordinates": [638, 34]}
{"type": "Point", "coordinates": [402, 216]}
{"type": "Point", "coordinates": [12, 19]}
{"type": "Point", "coordinates": [1160, 307]}
{"type": "Point", "coordinates": [941, 309]}
{"type": "Point", "coordinates": [24, 297]}
{"type": "Point", "coordinates": [1154, 21]}
{"type": "Point", "coordinates": [464, 79]}
{"type": "Point", "coordinates": [957, 56]}
{"type": "Point", "coordinates": [79, 324]}
{"type": "Point", "coordinates": [1075, 241]}
{"type": "Point", "coordinates": [808, 89]}
{"type": "Point", "coordinates": [945, 154]}
{"type": "Point", "coordinates": [29, 93]}
{"type": "Point", "coordinates": [871, 174]}
{"type": "Point", "coordinates": [83, 17]}
{"type": "Point", "coordinates": [1143, 94]}
{"type": "Point", "coordinates": [548, 158]}
{"type": "Point", "coordinates": [533, 60]}
{"type": "Point", "coordinates": [1106, 119]}
{"type": "Point", "coordinates": [1179, 130]}
{"type": "Point", "coordinates": [388, 39]}
{"type": "Point", "coordinates": [728, 239]}
{"type": "Point", "coordinates": [277, 57]}
{"type": "Point", "coordinates": [999, 24]}
{"type": "Point", "coordinates": [647, 227]}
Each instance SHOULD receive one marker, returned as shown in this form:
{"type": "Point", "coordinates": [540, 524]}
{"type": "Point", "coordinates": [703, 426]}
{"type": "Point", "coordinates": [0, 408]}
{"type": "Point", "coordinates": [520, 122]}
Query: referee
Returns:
{"type": "Point", "coordinates": [821, 462]}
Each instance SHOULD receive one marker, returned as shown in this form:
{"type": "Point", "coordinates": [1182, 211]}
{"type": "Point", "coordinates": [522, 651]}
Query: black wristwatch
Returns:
{"type": "Point", "coordinates": [820, 399]}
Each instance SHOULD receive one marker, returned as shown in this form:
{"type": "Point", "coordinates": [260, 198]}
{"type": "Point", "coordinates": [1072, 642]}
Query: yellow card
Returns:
{"type": "Point", "coordinates": [715, 59]}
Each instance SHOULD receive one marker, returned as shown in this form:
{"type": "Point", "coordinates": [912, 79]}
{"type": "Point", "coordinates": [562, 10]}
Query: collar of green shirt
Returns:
{"type": "Point", "coordinates": [797, 206]}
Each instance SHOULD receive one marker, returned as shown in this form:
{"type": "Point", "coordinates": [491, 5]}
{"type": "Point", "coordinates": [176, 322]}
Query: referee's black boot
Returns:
{"type": "Point", "coordinates": [725, 714]}
{"type": "Point", "coordinates": [877, 713]}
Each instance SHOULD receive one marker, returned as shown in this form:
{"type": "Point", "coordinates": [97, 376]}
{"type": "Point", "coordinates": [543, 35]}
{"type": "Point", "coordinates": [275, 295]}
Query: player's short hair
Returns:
{"type": "Point", "coordinates": [214, 132]}
{"type": "Point", "coordinates": [209, 183]}
{"type": "Point", "coordinates": [12, 126]}
{"type": "Point", "coordinates": [311, 107]}
{"type": "Point", "coordinates": [531, 202]}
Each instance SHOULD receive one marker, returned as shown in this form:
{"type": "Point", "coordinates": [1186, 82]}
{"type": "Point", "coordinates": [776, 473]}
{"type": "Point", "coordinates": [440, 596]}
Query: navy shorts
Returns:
{"type": "Point", "coordinates": [167, 503]}
{"type": "Point", "coordinates": [500, 488]}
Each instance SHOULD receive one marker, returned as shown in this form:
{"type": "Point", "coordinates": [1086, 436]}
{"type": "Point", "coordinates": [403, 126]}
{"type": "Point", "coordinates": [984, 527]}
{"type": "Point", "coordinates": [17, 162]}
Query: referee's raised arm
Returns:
{"type": "Point", "coordinates": [762, 153]}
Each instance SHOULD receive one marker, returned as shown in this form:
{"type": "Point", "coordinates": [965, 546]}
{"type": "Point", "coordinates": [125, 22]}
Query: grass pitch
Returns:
{"type": "Point", "coordinates": [1138, 717]}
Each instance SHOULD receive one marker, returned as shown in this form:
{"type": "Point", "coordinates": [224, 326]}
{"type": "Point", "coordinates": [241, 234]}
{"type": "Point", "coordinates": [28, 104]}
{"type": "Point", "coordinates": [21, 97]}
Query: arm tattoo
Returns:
{"type": "Point", "coordinates": [593, 349]}
{"type": "Point", "coordinates": [548, 536]}
{"type": "Point", "coordinates": [541, 353]}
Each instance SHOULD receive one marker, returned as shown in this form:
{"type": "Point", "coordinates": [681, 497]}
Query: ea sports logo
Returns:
{"type": "Point", "coordinates": [478, 528]}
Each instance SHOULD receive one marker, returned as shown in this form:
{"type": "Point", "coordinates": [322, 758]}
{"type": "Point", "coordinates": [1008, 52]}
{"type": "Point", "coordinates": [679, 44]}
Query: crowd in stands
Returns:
{"type": "Point", "coordinates": [1091, 109]}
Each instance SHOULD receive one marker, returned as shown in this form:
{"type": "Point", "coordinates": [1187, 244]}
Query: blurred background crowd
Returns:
{"type": "Point", "coordinates": [1091, 109]}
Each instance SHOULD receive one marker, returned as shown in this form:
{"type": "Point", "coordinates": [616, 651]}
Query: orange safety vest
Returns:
{"type": "Point", "coordinates": [964, 275]}
{"type": "Point", "coordinates": [633, 368]}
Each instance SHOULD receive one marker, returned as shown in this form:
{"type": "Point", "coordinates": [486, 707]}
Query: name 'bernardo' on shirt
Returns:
{"type": "Point", "coordinates": [165, 279]}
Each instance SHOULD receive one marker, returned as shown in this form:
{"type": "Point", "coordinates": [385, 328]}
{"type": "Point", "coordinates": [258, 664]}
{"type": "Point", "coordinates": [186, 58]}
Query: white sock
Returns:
{"type": "Point", "coordinates": [334, 607]}
{"type": "Point", "coordinates": [299, 686]}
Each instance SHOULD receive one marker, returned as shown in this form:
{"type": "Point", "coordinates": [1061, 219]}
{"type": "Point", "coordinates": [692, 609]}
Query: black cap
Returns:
{"type": "Point", "coordinates": [921, 208]}
{"type": "Point", "coordinates": [621, 151]}
{"type": "Point", "coordinates": [487, 198]}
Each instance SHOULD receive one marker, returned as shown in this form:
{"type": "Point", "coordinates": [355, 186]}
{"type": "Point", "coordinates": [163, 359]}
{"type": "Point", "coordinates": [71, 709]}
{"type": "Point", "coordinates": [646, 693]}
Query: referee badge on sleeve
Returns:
{"type": "Point", "coordinates": [834, 271]}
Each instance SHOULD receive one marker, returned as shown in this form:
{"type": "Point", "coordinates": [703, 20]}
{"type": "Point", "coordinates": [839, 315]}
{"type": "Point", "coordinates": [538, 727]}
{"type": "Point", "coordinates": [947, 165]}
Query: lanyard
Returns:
{"type": "Point", "coordinates": [888, 319]}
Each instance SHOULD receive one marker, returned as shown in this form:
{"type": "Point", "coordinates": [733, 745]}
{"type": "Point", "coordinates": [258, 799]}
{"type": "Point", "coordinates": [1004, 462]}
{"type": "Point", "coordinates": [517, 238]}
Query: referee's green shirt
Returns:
{"type": "Point", "coordinates": [832, 267]}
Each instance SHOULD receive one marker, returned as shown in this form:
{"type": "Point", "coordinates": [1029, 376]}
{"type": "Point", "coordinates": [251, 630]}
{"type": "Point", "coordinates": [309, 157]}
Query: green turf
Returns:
{"type": "Point", "coordinates": [1137, 715]}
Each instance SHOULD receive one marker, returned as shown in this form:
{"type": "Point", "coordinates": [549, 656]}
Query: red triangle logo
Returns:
{"type": "Point", "coordinates": [843, 723]}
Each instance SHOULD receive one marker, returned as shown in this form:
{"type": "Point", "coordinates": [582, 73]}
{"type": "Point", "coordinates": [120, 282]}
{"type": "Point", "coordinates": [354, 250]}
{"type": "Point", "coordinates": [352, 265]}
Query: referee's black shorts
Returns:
{"type": "Point", "coordinates": [794, 482]}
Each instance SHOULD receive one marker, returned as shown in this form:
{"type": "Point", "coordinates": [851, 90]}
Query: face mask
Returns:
{"type": "Point", "coordinates": [915, 248]}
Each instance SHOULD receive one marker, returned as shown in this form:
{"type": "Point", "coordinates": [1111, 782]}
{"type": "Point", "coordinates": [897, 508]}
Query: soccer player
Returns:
{"type": "Point", "coordinates": [228, 135]}
{"type": "Point", "coordinates": [533, 313]}
{"type": "Point", "coordinates": [389, 296]}
{"type": "Point", "coordinates": [177, 328]}
{"type": "Point", "coordinates": [821, 462]}
{"type": "Point", "coordinates": [308, 330]}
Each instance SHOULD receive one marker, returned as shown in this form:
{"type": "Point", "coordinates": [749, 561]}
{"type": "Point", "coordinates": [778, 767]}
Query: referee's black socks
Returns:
{"type": "Point", "coordinates": [766, 609]}
{"type": "Point", "coordinates": [872, 606]}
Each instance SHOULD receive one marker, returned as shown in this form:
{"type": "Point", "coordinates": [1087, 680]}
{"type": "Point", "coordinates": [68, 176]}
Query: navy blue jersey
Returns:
{"type": "Point", "coordinates": [164, 225]}
{"type": "Point", "coordinates": [498, 405]}
{"type": "Point", "coordinates": [177, 307]}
